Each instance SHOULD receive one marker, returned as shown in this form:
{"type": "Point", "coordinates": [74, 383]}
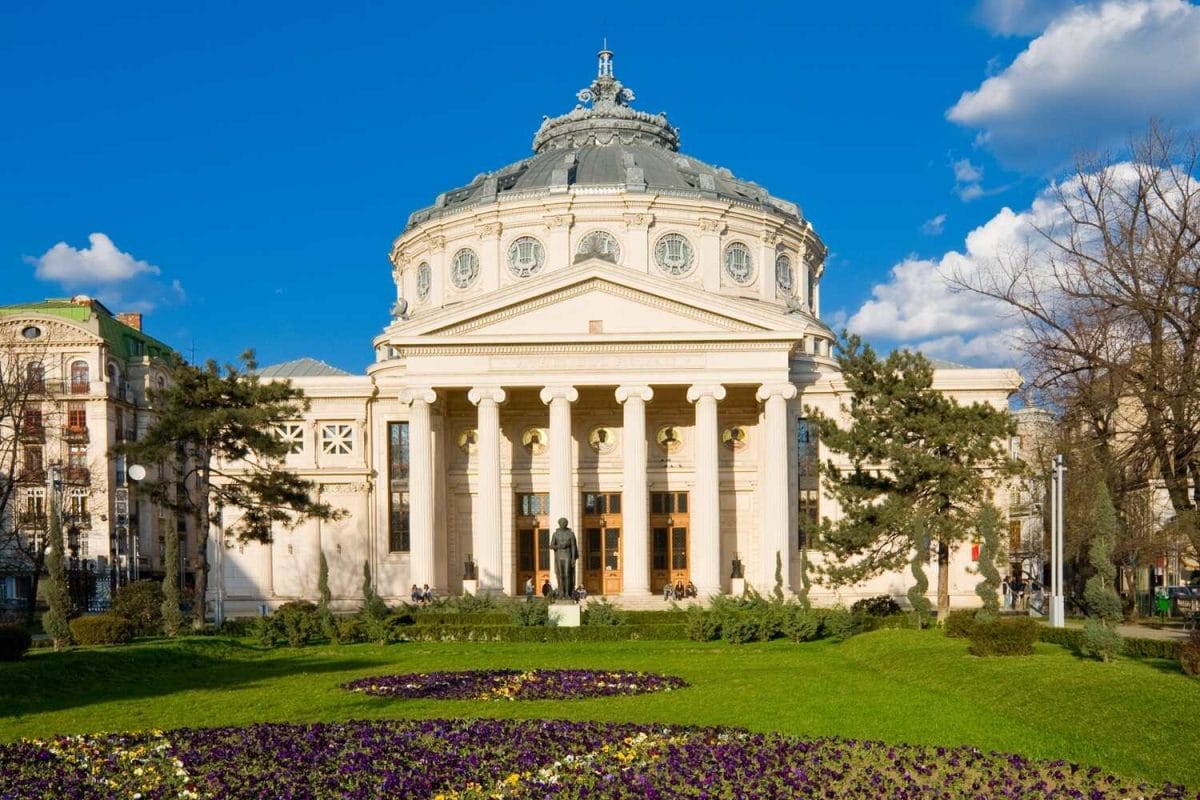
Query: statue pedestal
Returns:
{"type": "Point", "coordinates": [470, 586]}
{"type": "Point", "coordinates": [564, 615]}
{"type": "Point", "coordinates": [737, 586]}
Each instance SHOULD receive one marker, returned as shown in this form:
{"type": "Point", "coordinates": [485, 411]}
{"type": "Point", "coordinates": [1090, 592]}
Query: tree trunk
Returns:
{"type": "Point", "coordinates": [31, 602]}
{"type": "Point", "coordinates": [943, 603]}
{"type": "Point", "coordinates": [202, 523]}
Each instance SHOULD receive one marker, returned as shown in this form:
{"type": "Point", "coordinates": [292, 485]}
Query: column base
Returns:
{"type": "Point", "coordinates": [470, 587]}
{"type": "Point", "coordinates": [565, 615]}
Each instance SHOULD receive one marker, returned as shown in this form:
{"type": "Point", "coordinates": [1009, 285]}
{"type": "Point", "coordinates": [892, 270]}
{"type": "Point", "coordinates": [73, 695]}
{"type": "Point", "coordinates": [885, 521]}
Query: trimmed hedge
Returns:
{"type": "Point", "coordinates": [461, 618]}
{"type": "Point", "coordinates": [101, 629]}
{"type": "Point", "coordinates": [15, 642]}
{"type": "Point", "coordinates": [1003, 637]}
{"type": "Point", "coordinates": [960, 623]}
{"type": "Point", "coordinates": [537, 633]}
{"type": "Point", "coordinates": [1132, 647]}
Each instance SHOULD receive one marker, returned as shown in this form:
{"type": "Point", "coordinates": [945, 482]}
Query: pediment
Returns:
{"type": "Point", "coordinates": [596, 306]}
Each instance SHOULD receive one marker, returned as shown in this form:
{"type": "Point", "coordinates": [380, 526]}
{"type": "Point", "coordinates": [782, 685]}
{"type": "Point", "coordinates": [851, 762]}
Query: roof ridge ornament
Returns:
{"type": "Point", "coordinates": [606, 89]}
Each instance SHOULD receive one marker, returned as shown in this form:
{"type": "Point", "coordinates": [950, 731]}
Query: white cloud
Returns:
{"type": "Point", "coordinates": [1019, 17]}
{"type": "Point", "coordinates": [933, 227]}
{"type": "Point", "coordinates": [966, 172]}
{"type": "Point", "coordinates": [101, 263]}
{"type": "Point", "coordinates": [1096, 74]}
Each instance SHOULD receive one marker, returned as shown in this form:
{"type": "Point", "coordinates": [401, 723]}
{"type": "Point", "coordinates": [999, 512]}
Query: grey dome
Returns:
{"type": "Point", "coordinates": [608, 145]}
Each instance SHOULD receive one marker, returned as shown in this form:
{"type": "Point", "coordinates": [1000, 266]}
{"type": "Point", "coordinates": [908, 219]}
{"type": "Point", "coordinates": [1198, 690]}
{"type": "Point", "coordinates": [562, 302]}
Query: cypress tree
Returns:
{"type": "Point", "coordinates": [1103, 603]}
{"type": "Point", "coordinates": [171, 613]}
{"type": "Point", "coordinates": [916, 593]}
{"type": "Point", "coordinates": [987, 525]}
{"type": "Point", "coordinates": [56, 620]}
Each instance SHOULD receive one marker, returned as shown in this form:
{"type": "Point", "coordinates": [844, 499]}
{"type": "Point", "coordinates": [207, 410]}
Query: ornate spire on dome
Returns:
{"type": "Point", "coordinates": [610, 120]}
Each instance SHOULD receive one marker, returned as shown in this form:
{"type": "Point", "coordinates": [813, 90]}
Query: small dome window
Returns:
{"type": "Point", "coordinates": [464, 269]}
{"type": "Point", "coordinates": [599, 244]}
{"type": "Point", "coordinates": [526, 257]}
{"type": "Point", "coordinates": [31, 331]}
{"type": "Point", "coordinates": [673, 254]}
{"type": "Point", "coordinates": [739, 266]}
{"type": "Point", "coordinates": [783, 273]}
{"type": "Point", "coordinates": [424, 277]}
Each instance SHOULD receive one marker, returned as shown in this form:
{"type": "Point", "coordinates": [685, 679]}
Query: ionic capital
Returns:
{"type": "Point", "coordinates": [568, 393]}
{"type": "Point", "coordinates": [492, 393]}
{"type": "Point", "coordinates": [418, 394]}
{"type": "Point", "coordinates": [701, 390]}
{"type": "Point", "coordinates": [768, 390]}
{"type": "Point", "coordinates": [644, 393]}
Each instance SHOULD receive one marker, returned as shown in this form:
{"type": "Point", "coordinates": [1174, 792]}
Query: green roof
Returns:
{"type": "Point", "coordinates": [122, 339]}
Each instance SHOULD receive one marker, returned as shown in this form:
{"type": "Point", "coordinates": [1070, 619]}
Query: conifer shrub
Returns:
{"type": "Point", "coordinates": [15, 642]}
{"type": "Point", "coordinates": [298, 622]}
{"type": "Point", "coordinates": [1012, 636]}
{"type": "Point", "coordinates": [701, 625]}
{"type": "Point", "coordinates": [141, 603]}
{"type": "Point", "coordinates": [838, 623]}
{"type": "Point", "coordinates": [101, 629]}
{"type": "Point", "coordinates": [960, 623]}
{"type": "Point", "coordinates": [801, 624]}
{"type": "Point", "coordinates": [526, 615]}
{"type": "Point", "coordinates": [1189, 655]}
{"type": "Point", "coordinates": [1099, 640]}
{"type": "Point", "coordinates": [879, 606]}
{"type": "Point", "coordinates": [603, 613]}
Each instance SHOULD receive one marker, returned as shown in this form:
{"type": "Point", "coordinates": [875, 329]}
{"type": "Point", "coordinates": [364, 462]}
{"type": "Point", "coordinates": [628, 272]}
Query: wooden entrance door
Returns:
{"type": "Point", "coordinates": [669, 534]}
{"type": "Point", "coordinates": [533, 541]}
{"type": "Point", "coordinates": [602, 542]}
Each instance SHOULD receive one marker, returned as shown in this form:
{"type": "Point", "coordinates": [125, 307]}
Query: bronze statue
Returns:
{"type": "Point", "coordinates": [566, 551]}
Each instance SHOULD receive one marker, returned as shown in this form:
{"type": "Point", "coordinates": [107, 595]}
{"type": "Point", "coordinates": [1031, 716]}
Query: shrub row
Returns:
{"type": "Point", "coordinates": [1013, 636]}
{"type": "Point", "coordinates": [461, 618]}
{"type": "Point", "coordinates": [101, 629]}
{"type": "Point", "coordinates": [15, 642]}
{"type": "Point", "coordinates": [1132, 647]}
{"type": "Point", "coordinates": [531, 633]}
{"type": "Point", "coordinates": [755, 619]}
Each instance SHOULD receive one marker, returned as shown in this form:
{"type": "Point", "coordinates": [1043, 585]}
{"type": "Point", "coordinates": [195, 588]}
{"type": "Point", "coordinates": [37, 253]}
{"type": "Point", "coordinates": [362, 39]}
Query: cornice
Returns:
{"type": "Point", "coordinates": [437, 349]}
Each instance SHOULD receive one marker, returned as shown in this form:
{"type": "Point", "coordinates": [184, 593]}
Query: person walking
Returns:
{"type": "Point", "coordinates": [529, 590]}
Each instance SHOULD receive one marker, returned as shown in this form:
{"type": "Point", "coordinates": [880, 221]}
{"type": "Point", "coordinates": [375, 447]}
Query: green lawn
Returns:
{"type": "Point", "coordinates": [1136, 718]}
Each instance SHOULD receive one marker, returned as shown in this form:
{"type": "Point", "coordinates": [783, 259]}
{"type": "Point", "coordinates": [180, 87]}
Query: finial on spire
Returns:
{"type": "Point", "coordinates": [606, 61]}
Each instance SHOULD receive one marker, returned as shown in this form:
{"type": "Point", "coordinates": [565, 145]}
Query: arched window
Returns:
{"type": "Point", "coordinates": [80, 377]}
{"type": "Point", "coordinates": [35, 376]}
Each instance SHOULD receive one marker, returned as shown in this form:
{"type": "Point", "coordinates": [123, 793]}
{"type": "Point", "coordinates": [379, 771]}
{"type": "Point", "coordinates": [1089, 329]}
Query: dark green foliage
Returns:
{"type": "Point", "coordinates": [987, 526]}
{"type": "Point", "coordinates": [471, 604]}
{"type": "Point", "coordinates": [210, 415]}
{"type": "Point", "coordinates": [1101, 598]}
{"type": "Point", "coordinates": [298, 622]}
{"type": "Point", "coordinates": [921, 606]}
{"type": "Point", "coordinates": [238, 627]}
{"type": "Point", "coordinates": [422, 616]}
{"type": "Point", "coordinates": [350, 630]}
{"type": "Point", "coordinates": [1099, 640]}
{"type": "Point", "coordinates": [539, 633]}
{"type": "Point", "coordinates": [740, 629]}
{"type": "Point", "coordinates": [1131, 647]}
{"type": "Point", "coordinates": [1189, 655]}
{"type": "Point", "coordinates": [838, 623]}
{"type": "Point", "coordinates": [879, 606]}
{"type": "Point", "coordinates": [265, 632]}
{"type": "Point", "coordinates": [531, 614]}
{"type": "Point", "coordinates": [15, 641]}
{"type": "Point", "coordinates": [101, 629]}
{"type": "Point", "coordinates": [172, 616]}
{"type": "Point", "coordinates": [801, 624]}
{"type": "Point", "coordinates": [140, 602]}
{"type": "Point", "coordinates": [603, 613]}
{"type": "Point", "coordinates": [1067, 637]}
{"type": "Point", "coordinates": [777, 592]}
{"type": "Point", "coordinates": [324, 613]}
{"type": "Point", "coordinates": [700, 625]}
{"type": "Point", "coordinates": [937, 453]}
{"type": "Point", "coordinates": [959, 623]}
{"type": "Point", "coordinates": [373, 604]}
{"type": "Point", "coordinates": [1003, 636]}
{"type": "Point", "coordinates": [56, 620]}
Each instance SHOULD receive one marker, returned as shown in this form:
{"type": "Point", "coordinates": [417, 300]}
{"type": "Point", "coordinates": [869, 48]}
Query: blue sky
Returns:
{"type": "Point", "coordinates": [242, 168]}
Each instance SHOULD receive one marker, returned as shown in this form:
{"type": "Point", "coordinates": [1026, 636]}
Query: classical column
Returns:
{"type": "Point", "coordinates": [635, 555]}
{"type": "Point", "coordinates": [775, 530]}
{"type": "Point", "coordinates": [562, 470]}
{"type": "Point", "coordinates": [487, 532]}
{"type": "Point", "coordinates": [420, 484]}
{"type": "Point", "coordinates": [706, 500]}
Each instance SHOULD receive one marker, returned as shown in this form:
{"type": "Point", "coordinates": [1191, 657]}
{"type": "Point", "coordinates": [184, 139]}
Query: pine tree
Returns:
{"type": "Point", "coordinates": [987, 525]}
{"type": "Point", "coordinates": [215, 432]}
{"type": "Point", "coordinates": [56, 620]}
{"type": "Point", "coordinates": [172, 616]}
{"type": "Point", "coordinates": [913, 453]}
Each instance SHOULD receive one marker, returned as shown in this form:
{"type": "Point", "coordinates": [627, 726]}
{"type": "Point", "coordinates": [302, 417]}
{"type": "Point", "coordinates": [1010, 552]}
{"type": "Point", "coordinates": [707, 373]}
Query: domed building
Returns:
{"type": "Point", "coordinates": [609, 331]}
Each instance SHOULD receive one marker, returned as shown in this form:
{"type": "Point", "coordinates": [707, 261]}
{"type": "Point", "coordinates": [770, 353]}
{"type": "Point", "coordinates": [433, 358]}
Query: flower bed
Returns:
{"type": "Point", "coordinates": [476, 759]}
{"type": "Point", "coordinates": [511, 684]}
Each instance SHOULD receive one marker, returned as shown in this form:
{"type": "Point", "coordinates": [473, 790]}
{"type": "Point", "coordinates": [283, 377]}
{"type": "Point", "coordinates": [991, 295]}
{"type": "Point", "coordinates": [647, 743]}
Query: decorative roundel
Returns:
{"type": "Point", "coordinates": [599, 244]}
{"type": "Point", "coordinates": [534, 440]}
{"type": "Point", "coordinates": [783, 272]}
{"type": "Point", "coordinates": [668, 438]}
{"type": "Point", "coordinates": [526, 257]}
{"type": "Point", "coordinates": [734, 437]}
{"type": "Point", "coordinates": [31, 331]}
{"type": "Point", "coordinates": [467, 440]}
{"type": "Point", "coordinates": [673, 254]}
{"type": "Point", "coordinates": [602, 439]}
{"type": "Point", "coordinates": [424, 276]}
{"type": "Point", "coordinates": [739, 266]}
{"type": "Point", "coordinates": [464, 269]}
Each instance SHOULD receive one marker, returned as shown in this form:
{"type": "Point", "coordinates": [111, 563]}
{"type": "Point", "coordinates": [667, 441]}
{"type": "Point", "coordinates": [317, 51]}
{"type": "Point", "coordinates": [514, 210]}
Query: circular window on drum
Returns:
{"type": "Point", "coordinates": [599, 244]}
{"type": "Point", "coordinates": [673, 254]}
{"type": "Point", "coordinates": [526, 257]}
{"type": "Point", "coordinates": [738, 264]}
{"type": "Point", "coordinates": [423, 278]}
{"type": "Point", "coordinates": [465, 268]}
{"type": "Point", "coordinates": [783, 273]}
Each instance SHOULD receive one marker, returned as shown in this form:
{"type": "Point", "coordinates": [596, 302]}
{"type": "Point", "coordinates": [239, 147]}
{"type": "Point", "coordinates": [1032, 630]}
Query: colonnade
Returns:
{"type": "Point", "coordinates": [705, 546]}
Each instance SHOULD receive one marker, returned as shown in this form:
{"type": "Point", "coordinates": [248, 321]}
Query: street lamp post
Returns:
{"type": "Point", "coordinates": [1057, 534]}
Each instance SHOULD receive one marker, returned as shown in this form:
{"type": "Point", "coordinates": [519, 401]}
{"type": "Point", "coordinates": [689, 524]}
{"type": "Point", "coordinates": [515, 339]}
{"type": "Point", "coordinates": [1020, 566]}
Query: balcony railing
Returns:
{"type": "Point", "coordinates": [77, 475]}
{"type": "Point", "coordinates": [32, 475]}
{"type": "Point", "coordinates": [81, 520]}
{"type": "Point", "coordinates": [33, 433]}
{"type": "Point", "coordinates": [76, 433]}
{"type": "Point", "coordinates": [32, 519]}
{"type": "Point", "coordinates": [80, 387]}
